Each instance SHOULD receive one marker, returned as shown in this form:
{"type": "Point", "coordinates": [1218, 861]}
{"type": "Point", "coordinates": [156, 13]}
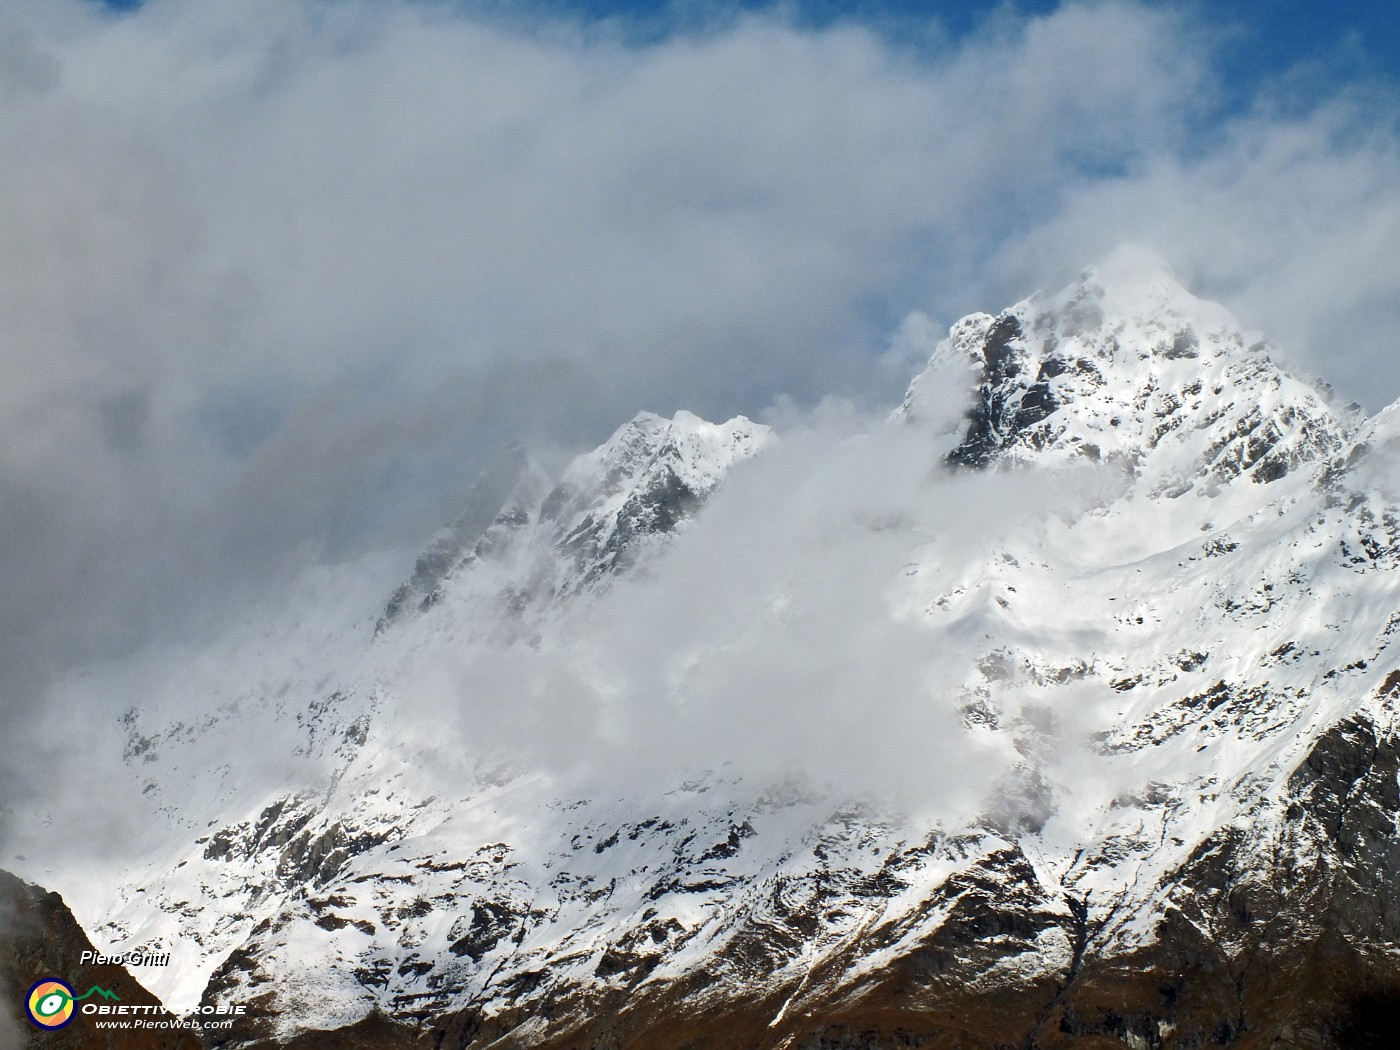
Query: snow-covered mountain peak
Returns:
{"type": "Point", "coordinates": [697, 451]}
{"type": "Point", "coordinates": [1173, 715]}
{"type": "Point", "coordinates": [1137, 286]}
{"type": "Point", "coordinates": [608, 510]}
{"type": "Point", "coordinates": [1125, 365]}
{"type": "Point", "coordinates": [638, 486]}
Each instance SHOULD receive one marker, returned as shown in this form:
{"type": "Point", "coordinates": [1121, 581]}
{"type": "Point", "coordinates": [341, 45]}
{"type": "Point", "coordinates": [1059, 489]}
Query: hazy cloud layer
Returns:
{"type": "Point", "coordinates": [276, 276]}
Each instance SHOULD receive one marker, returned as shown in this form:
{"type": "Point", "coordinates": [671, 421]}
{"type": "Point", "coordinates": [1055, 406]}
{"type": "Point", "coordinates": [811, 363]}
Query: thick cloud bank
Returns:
{"type": "Point", "coordinates": [277, 277]}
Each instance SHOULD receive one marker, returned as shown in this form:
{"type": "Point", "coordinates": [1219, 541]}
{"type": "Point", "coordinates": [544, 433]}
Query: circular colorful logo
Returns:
{"type": "Point", "coordinates": [50, 1003]}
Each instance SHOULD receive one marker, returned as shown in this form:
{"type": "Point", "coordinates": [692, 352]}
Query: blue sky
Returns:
{"type": "Point", "coordinates": [1283, 54]}
{"type": "Point", "coordinates": [1312, 38]}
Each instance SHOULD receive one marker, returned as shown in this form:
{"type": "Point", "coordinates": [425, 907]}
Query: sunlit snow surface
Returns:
{"type": "Point", "coordinates": [713, 673]}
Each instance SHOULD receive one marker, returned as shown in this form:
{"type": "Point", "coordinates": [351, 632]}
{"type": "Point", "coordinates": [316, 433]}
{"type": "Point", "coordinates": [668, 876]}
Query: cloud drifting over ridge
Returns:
{"type": "Point", "coordinates": [275, 275]}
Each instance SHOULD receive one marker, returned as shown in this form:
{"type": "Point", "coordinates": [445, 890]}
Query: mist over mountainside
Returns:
{"type": "Point", "coordinates": [1055, 706]}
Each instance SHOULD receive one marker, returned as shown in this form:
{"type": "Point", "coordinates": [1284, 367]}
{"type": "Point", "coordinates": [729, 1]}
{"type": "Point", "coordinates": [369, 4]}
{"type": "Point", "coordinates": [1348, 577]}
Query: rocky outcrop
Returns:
{"type": "Point", "coordinates": [1080, 375]}
{"type": "Point", "coordinates": [39, 938]}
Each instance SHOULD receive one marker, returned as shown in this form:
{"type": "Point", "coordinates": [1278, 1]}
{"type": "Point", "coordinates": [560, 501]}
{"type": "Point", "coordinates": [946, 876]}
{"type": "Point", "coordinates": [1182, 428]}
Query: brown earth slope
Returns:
{"type": "Point", "coordinates": [39, 938]}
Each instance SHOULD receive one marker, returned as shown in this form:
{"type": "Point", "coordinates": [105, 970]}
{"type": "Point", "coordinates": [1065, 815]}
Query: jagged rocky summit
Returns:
{"type": "Point", "coordinates": [1185, 690]}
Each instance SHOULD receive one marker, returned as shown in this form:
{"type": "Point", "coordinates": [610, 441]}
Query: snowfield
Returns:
{"type": "Point", "coordinates": [726, 716]}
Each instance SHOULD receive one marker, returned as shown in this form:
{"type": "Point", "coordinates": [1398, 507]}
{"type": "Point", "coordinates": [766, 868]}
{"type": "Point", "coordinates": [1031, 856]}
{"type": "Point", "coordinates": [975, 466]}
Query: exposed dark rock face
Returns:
{"type": "Point", "coordinates": [1005, 404]}
{"type": "Point", "coordinates": [39, 938]}
{"type": "Point", "coordinates": [601, 545]}
{"type": "Point", "coordinates": [1059, 375]}
{"type": "Point", "coordinates": [490, 922]}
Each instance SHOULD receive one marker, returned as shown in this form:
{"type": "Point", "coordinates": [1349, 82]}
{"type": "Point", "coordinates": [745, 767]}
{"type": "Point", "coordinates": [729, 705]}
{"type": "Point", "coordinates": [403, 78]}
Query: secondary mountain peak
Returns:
{"type": "Point", "coordinates": [538, 539]}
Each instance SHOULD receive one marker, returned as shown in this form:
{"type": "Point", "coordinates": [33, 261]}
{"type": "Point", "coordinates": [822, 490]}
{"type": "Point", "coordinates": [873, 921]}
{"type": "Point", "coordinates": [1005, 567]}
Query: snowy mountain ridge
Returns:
{"type": "Point", "coordinates": [1174, 701]}
{"type": "Point", "coordinates": [609, 510]}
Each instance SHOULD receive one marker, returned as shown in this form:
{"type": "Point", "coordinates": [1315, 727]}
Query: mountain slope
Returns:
{"type": "Point", "coordinates": [1134, 613]}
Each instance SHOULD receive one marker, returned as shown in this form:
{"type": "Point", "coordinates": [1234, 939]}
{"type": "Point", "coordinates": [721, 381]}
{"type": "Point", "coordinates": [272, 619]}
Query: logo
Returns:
{"type": "Point", "coordinates": [51, 1002]}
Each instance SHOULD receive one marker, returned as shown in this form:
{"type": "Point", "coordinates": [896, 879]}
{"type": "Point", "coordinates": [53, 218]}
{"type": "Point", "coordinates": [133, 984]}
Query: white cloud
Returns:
{"type": "Point", "coordinates": [275, 274]}
{"type": "Point", "coordinates": [1292, 223]}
